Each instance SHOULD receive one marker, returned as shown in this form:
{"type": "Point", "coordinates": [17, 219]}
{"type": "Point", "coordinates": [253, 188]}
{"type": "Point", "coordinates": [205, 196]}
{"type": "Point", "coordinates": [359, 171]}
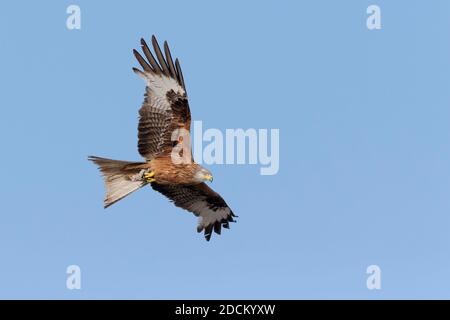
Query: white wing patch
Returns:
{"type": "Point", "coordinates": [208, 216]}
{"type": "Point", "coordinates": [158, 85]}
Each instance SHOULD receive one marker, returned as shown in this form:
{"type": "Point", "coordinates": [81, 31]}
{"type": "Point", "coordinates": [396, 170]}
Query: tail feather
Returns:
{"type": "Point", "coordinates": [121, 177]}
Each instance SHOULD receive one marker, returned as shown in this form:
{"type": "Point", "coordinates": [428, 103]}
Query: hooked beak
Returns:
{"type": "Point", "coordinates": [209, 177]}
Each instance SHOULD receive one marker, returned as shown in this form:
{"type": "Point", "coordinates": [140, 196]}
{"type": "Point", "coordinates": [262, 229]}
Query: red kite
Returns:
{"type": "Point", "coordinates": [165, 110]}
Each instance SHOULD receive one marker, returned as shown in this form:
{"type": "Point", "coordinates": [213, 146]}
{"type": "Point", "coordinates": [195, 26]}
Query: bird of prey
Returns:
{"type": "Point", "coordinates": [164, 114]}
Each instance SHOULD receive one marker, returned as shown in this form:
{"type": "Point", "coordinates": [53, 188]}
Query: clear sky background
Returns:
{"type": "Point", "coordinates": [364, 119]}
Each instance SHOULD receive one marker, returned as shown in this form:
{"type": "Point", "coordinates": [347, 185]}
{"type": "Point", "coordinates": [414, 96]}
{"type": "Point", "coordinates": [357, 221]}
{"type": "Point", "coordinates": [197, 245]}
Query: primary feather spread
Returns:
{"type": "Point", "coordinates": [164, 113]}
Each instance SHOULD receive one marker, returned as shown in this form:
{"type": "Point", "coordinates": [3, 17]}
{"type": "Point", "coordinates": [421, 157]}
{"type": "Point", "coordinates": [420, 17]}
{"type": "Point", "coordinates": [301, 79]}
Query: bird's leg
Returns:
{"type": "Point", "coordinates": [149, 176]}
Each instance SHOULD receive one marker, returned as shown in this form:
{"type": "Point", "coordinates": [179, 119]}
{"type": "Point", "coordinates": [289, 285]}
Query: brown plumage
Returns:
{"type": "Point", "coordinates": [163, 140]}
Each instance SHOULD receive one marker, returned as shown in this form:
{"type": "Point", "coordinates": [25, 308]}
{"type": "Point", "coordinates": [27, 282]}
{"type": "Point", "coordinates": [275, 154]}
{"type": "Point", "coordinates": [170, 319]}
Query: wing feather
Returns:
{"type": "Point", "coordinates": [142, 61]}
{"type": "Point", "coordinates": [173, 73]}
{"type": "Point", "coordinates": [165, 108]}
{"type": "Point", "coordinates": [180, 74]}
{"type": "Point", "coordinates": [160, 57]}
{"type": "Point", "coordinates": [208, 205]}
{"type": "Point", "coordinates": [150, 57]}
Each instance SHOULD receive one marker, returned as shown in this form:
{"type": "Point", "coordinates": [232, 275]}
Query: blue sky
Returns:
{"type": "Point", "coordinates": [364, 150]}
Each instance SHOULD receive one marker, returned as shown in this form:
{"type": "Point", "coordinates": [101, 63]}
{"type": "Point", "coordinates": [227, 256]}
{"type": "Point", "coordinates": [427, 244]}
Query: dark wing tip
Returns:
{"type": "Point", "coordinates": [208, 232]}
{"type": "Point", "coordinates": [179, 74]}
{"type": "Point", "coordinates": [138, 72]}
{"type": "Point", "coordinates": [163, 63]}
{"type": "Point", "coordinates": [217, 227]}
{"type": "Point", "coordinates": [144, 64]}
{"type": "Point", "coordinates": [160, 57]}
{"type": "Point", "coordinates": [169, 60]}
{"type": "Point", "coordinates": [151, 59]}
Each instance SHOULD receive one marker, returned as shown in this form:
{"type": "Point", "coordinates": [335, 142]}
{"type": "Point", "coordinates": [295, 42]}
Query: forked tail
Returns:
{"type": "Point", "coordinates": [121, 177]}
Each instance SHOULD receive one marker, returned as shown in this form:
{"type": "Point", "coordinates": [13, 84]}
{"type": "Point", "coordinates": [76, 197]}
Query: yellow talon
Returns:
{"type": "Point", "coordinates": [149, 176]}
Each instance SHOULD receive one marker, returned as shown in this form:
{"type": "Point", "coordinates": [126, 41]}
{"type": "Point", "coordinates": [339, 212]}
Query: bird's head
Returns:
{"type": "Point", "coordinates": [203, 174]}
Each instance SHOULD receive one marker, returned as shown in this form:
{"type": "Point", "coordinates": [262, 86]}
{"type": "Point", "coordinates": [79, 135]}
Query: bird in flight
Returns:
{"type": "Point", "coordinates": [163, 140]}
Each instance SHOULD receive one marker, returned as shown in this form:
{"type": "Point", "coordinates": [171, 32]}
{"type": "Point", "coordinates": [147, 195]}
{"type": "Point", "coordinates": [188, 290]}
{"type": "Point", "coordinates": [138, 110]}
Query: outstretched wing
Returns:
{"type": "Point", "coordinates": [201, 200]}
{"type": "Point", "coordinates": [165, 109]}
